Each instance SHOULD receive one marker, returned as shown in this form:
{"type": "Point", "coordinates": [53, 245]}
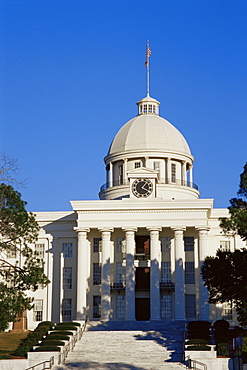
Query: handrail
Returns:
{"type": "Point", "coordinates": [165, 181]}
{"type": "Point", "coordinates": [50, 364]}
{"type": "Point", "coordinates": [193, 363]}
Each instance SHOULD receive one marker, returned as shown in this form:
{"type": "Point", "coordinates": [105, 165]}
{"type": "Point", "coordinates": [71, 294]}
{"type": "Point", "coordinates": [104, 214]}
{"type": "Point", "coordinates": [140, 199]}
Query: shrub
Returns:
{"type": "Point", "coordinates": [198, 348]}
{"type": "Point", "coordinates": [58, 337]}
{"type": "Point", "coordinates": [52, 342]}
{"type": "Point", "coordinates": [221, 325]}
{"type": "Point", "coordinates": [61, 332]}
{"type": "Point", "coordinates": [199, 325]}
{"type": "Point", "coordinates": [22, 351]}
{"type": "Point", "coordinates": [5, 357]}
{"type": "Point", "coordinates": [48, 349]}
{"type": "Point", "coordinates": [46, 323]}
{"type": "Point", "coordinates": [197, 341]}
{"type": "Point", "coordinates": [222, 350]}
{"type": "Point", "coordinates": [198, 335]}
{"type": "Point", "coordinates": [65, 327]}
{"type": "Point", "coordinates": [69, 323]}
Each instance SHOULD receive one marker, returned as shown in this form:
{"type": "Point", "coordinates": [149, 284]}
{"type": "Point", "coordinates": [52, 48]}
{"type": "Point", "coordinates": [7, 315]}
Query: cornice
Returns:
{"type": "Point", "coordinates": [143, 211]}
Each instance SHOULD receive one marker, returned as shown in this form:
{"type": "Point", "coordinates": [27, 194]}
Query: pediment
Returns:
{"type": "Point", "coordinates": [142, 172]}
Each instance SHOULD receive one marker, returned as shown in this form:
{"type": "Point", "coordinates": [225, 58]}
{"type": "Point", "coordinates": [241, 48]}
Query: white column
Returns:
{"type": "Point", "coordinates": [82, 276]}
{"type": "Point", "coordinates": [61, 284]}
{"type": "Point", "coordinates": [191, 176]}
{"type": "Point", "coordinates": [49, 272]}
{"type": "Point", "coordinates": [125, 171]}
{"type": "Point", "coordinates": [130, 273]}
{"type": "Point", "coordinates": [111, 174]}
{"type": "Point", "coordinates": [203, 252]}
{"type": "Point", "coordinates": [184, 179]}
{"type": "Point", "coordinates": [155, 272]}
{"type": "Point", "coordinates": [55, 281]}
{"type": "Point", "coordinates": [179, 273]}
{"type": "Point", "coordinates": [168, 170]}
{"type": "Point", "coordinates": [105, 273]}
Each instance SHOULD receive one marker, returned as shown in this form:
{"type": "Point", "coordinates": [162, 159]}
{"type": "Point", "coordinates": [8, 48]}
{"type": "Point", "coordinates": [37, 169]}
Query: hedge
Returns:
{"type": "Point", "coordinates": [61, 332]}
{"type": "Point", "coordinates": [197, 341]}
{"type": "Point", "coordinates": [198, 348]}
{"type": "Point", "coordinates": [47, 342]}
{"type": "Point", "coordinates": [69, 323]}
{"type": "Point", "coordinates": [48, 349]}
{"type": "Point", "coordinates": [58, 337]}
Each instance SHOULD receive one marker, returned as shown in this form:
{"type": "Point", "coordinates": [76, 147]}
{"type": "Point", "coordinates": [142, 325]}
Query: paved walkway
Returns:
{"type": "Point", "coordinates": [128, 346]}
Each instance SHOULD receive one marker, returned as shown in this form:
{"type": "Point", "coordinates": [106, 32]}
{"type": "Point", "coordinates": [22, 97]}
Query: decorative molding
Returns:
{"type": "Point", "coordinates": [143, 211]}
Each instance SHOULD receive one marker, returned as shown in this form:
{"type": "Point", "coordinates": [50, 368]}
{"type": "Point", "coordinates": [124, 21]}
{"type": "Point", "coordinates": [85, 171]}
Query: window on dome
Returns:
{"type": "Point", "coordinates": [120, 174]}
{"type": "Point", "coordinates": [137, 164]}
{"type": "Point", "coordinates": [150, 110]}
{"type": "Point", "coordinates": [173, 171]}
{"type": "Point", "coordinates": [145, 108]}
{"type": "Point", "coordinates": [156, 166]}
{"type": "Point", "coordinates": [141, 108]}
{"type": "Point", "coordinates": [154, 109]}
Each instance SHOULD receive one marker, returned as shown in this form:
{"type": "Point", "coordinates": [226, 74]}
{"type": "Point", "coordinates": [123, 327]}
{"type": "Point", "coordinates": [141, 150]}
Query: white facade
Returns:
{"type": "Point", "coordinates": [135, 254]}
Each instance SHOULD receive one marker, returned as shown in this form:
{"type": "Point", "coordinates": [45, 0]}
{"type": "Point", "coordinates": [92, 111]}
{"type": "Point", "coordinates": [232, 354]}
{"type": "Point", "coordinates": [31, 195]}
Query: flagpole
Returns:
{"type": "Point", "coordinates": [148, 70]}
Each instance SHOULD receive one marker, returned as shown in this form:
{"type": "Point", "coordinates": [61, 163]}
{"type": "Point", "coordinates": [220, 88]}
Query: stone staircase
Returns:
{"type": "Point", "coordinates": [129, 345]}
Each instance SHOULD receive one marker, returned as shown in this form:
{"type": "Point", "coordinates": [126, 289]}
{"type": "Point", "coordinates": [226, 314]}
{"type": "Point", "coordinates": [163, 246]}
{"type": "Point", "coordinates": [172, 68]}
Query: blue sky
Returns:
{"type": "Point", "coordinates": [71, 72]}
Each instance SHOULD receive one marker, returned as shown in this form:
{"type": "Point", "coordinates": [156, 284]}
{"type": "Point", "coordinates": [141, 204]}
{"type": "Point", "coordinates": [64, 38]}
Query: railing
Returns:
{"type": "Point", "coordinates": [46, 365]}
{"type": "Point", "coordinates": [118, 285]}
{"type": "Point", "coordinates": [160, 181]}
{"type": "Point", "coordinates": [196, 365]}
{"type": "Point", "coordinates": [168, 285]}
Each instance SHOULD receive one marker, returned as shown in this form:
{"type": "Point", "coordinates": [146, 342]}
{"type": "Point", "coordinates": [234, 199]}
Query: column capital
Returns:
{"type": "Point", "coordinates": [154, 228]}
{"type": "Point", "coordinates": [178, 228]}
{"type": "Point", "coordinates": [203, 229]}
{"type": "Point", "coordinates": [82, 229]}
{"type": "Point", "coordinates": [106, 229]}
{"type": "Point", "coordinates": [126, 229]}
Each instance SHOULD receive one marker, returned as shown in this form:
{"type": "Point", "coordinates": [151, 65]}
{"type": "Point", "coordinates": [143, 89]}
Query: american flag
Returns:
{"type": "Point", "coordinates": [149, 52]}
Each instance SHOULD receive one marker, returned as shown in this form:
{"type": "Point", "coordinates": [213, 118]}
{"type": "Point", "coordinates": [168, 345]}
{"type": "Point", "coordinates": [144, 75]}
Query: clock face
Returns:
{"type": "Point", "coordinates": [142, 188]}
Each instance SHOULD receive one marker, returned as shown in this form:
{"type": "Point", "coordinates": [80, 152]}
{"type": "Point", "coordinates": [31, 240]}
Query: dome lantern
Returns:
{"type": "Point", "coordinates": [148, 105]}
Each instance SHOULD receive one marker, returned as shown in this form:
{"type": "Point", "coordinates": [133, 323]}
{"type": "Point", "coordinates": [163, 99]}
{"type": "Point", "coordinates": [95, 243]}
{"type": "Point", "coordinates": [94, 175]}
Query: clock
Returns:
{"type": "Point", "coordinates": [142, 188]}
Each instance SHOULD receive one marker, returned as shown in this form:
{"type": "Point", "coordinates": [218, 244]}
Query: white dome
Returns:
{"type": "Point", "coordinates": [149, 132]}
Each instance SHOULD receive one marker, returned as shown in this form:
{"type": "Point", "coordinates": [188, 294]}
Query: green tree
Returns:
{"type": "Point", "coordinates": [225, 274]}
{"type": "Point", "coordinates": [18, 229]}
{"type": "Point", "coordinates": [237, 222]}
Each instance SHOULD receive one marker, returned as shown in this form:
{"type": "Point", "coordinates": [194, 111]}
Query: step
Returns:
{"type": "Point", "coordinates": [129, 345]}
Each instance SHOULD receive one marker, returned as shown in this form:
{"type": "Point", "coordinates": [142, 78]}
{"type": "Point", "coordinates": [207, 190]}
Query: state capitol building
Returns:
{"type": "Point", "coordinates": [134, 254]}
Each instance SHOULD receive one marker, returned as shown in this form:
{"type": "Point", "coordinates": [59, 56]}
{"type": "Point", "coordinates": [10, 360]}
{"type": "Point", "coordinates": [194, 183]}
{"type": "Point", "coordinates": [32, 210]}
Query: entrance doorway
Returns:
{"type": "Point", "coordinates": [142, 278]}
{"type": "Point", "coordinates": [142, 245]}
{"type": "Point", "coordinates": [142, 309]}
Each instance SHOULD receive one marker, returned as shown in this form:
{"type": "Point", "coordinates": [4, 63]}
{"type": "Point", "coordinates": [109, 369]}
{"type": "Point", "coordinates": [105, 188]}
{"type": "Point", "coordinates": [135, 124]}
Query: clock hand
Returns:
{"type": "Point", "coordinates": [145, 186]}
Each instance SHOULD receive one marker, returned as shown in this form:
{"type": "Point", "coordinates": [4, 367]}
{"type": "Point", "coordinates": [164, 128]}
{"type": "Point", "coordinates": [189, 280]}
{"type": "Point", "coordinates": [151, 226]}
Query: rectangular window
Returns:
{"type": "Point", "coordinates": [189, 277]}
{"type": "Point", "coordinates": [156, 166]}
{"type": "Point", "coordinates": [40, 250]}
{"type": "Point", "coordinates": [137, 164]}
{"type": "Point", "coordinates": [120, 273]}
{"type": "Point", "coordinates": [166, 306]}
{"type": "Point", "coordinates": [173, 172]}
{"type": "Point", "coordinates": [38, 310]}
{"type": "Point", "coordinates": [227, 311]}
{"type": "Point", "coordinates": [97, 245]}
{"type": "Point", "coordinates": [165, 272]}
{"type": "Point", "coordinates": [67, 250]}
{"type": "Point", "coordinates": [66, 310]}
{"type": "Point", "coordinates": [120, 307]}
{"type": "Point", "coordinates": [189, 243]}
{"type": "Point", "coordinates": [150, 108]}
{"type": "Point", "coordinates": [67, 278]}
{"type": "Point", "coordinates": [119, 245]}
{"type": "Point", "coordinates": [165, 244]}
{"type": "Point", "coordinates": [120, 174]}
{"type": "Point", "coordinates": [96, 306]}
{"type": "Point", "coordinates": [96, 273]}
{"type": "Point", "coordinates": [145, 108]}
{"type": "Point", "coordinates": [225, 245]}
{"type": "Point", "coordinates": [190, 306]}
